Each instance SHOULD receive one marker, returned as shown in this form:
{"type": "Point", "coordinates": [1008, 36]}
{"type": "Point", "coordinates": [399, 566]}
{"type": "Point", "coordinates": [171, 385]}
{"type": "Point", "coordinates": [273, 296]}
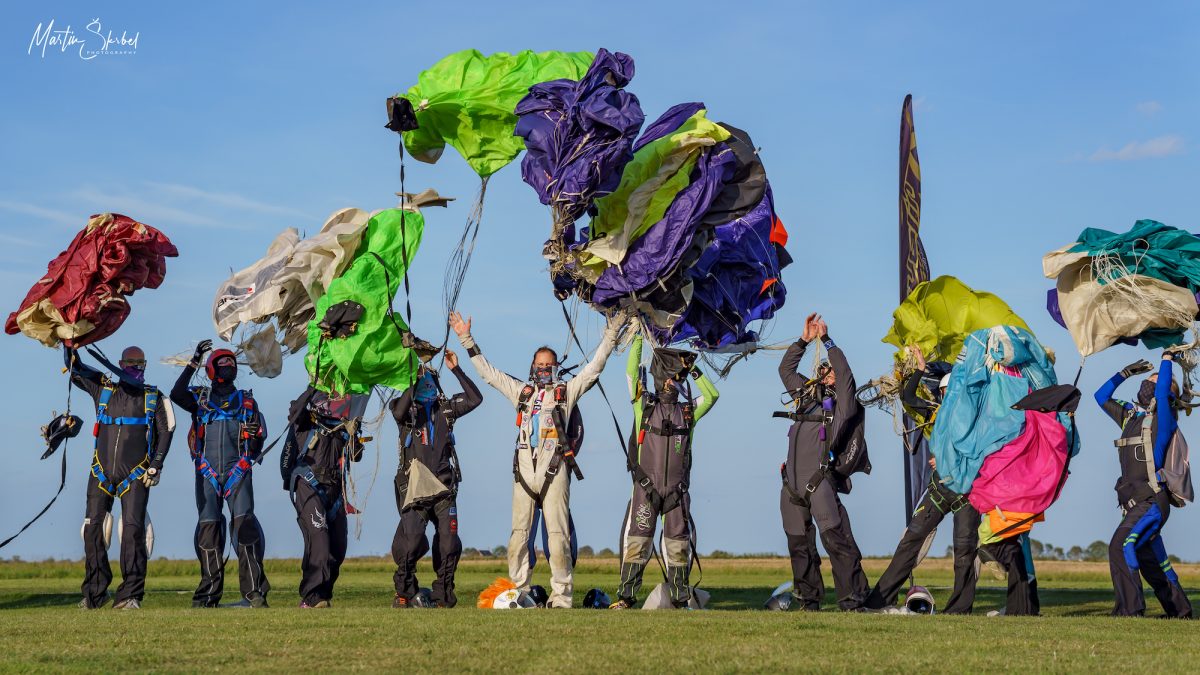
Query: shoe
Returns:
{"type": "Point", "coordinates": [257, 600]}
{"type": "Point", "coordinates": [997, 612]}
{"type": "Point", "coordinates": [320, 604]}
{"type": "Point", "coordinates": [621, 603]}
{"type": "Point", "coordinates": [400, 602]}
{"type": "Point", "coordinates": [200, 604]}
{"type": "Point", "coordinates": [85, 603]}
{"type": "Point", "coordinates": [894, 610]}
{"type": "Point", "coordinates": [324, 604]}
{"type": "Point", "coordinates": [131, 603]}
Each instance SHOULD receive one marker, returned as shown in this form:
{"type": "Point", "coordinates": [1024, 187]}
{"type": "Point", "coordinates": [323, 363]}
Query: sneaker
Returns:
{"type": "Point", "coordinates": [621, 603]}
{"type": "Point", "coordinates": [257, 600]}
{"type": "Point", "coordinates": [324, 604]}
{"type": "Point", "coordinates": [895, 610]}
{"type": "Point", "coordinates": [85, 603]}
{"type": "Point", "coordinates": [320, 604]}
{"type": "Point", "coordinates": [997, 612]}
{"type": "Point", "coordinates": [400, 602]}
{"type": "Point", "coordinates": [200, 604]}
{"type": "Point", "coordinates": [131, 603]}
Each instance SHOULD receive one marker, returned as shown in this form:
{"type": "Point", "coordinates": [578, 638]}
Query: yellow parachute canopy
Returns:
{"type": "Point", "coordinates": [939, 314]}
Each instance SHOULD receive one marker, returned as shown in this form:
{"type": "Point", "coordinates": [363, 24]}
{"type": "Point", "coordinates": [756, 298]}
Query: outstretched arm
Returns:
{"type": "Point", "coordinates": [470, 398]}
{"type": "Point", "coordinates": [591, 372]}
{"type": "Point", "coordinates": [507, 385]}
{"type": "Point", "coordinates": [1167, 423]}
{"type": "Point", "coordinates": [708, 393]}
{"type": "Point", "coordinates": [181, 394]}
{"type": "Point", "coordinates": [82, 375]}
{"type": "Point", "coordinates": [633, 368]}
{"type": "Point", "coordinates": [844, 389]}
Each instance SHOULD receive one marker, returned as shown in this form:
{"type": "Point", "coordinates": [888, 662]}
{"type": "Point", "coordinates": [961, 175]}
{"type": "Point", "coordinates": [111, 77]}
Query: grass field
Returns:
{"type": "Point", "coordinates": [43, 630]}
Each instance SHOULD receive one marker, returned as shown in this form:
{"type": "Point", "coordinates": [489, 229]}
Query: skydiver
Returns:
{"type": "Point", "coordinates": [541, 463]}
{"type": "Point", "coordinates": [1148, 426]}
{"type": "Point", "coordinates": [824, 422]}
{"type": "Point", "coordinates": [427, 482]}
{"type": "Point", "coordinates": [938, 501]}
{"type": "Point", "coordinates": [133, 434]}
{"type": "Point", "coordinates": [226, 438]}
{"type": "Point", "coordinates": [323, 439]}
{"type": "Point", "coordinates": [665, 422]}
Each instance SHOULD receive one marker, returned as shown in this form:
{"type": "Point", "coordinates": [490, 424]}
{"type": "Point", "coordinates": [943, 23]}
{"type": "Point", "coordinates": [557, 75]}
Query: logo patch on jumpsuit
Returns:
{"type": "Point", "coordinates": [643, 517]}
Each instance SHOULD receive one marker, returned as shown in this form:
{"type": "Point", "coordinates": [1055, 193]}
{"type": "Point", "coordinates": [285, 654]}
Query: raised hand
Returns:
{"type": "Point", "coordinates": [461, 328]}
{"type": "Point", "coordinates": [810, 327]}
{"type": "Point", "coordinates": [451, 359]}
{"type": "Point", "coordinates": [1136, 368]}
{"type": "Point", "coordinates": [201, 350]}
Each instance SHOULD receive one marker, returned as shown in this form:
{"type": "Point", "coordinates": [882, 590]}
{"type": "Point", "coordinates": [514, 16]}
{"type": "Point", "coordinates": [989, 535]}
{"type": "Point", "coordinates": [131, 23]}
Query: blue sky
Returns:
{"type": "Point", "coordinates": [235, 121]}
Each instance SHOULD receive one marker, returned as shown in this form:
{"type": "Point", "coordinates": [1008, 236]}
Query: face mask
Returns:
{"type": "Point", "coordinates": [226, 374]}
{"type": "Point", "coordinates": [1145, 394]}
{"type": "Point", "coordinates": [426, 392]}
{"type": "Point", "coordinates": [135, 372]}
{"type": "Point", "coordinates": [543, 375]}
{"type": "Point", "coordinates": [669, 393]}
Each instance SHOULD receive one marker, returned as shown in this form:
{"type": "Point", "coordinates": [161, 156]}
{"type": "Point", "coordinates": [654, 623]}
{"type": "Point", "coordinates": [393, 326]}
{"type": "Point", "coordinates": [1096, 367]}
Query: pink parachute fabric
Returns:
{"type": "Point", "coordinates": [81, 299]}
{"type": "Point", "coordinates": [1023, 476]}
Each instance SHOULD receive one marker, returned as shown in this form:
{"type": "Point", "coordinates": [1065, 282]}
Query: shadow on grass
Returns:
{"type": "Point", "coordinates": [38, 600]}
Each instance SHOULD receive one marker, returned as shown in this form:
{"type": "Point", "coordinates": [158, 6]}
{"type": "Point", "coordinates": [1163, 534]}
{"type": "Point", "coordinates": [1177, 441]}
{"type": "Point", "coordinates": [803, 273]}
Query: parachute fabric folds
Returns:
{"type": "Point", "coordinates": [1112, 288]}
{"type": "Point", "coordinates": [374, 353]}
{"type": "Point", "coordinates": [659, 170]}
{"type": "Point", "coordinates": [81, 299]}
{"type": "Point", "coordinates": [1024, 475]}
{"type": "Point", "coordinates": [286, 283]}
{"type": "Point", "coordinates": [998, 367]}
{"type": "Point", "coordinates": [579, 135]}
{"type": "Point", "coordinates": [939, 314]}
{"type": "Point", "coordinates": [468, 100]}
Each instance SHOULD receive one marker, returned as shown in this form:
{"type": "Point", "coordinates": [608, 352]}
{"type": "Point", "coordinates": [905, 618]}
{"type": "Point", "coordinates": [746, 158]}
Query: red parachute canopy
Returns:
{"type": "Point", "coordinates": [82, 297]}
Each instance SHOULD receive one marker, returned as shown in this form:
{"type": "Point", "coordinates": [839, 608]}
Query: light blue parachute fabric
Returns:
{"type": "Point", "coordinates": [976, 416]}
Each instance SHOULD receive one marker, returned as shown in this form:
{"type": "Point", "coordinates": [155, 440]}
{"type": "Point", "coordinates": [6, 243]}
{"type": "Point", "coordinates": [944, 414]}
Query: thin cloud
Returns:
{"type": "Point", "coordinates": [224, 199]}
{"type": "Point", "coordinates": [144, 210]}
{"type": "Point", "coordinates": [1163, 146]}
{"type": "Point", "coordinates": [1149, 108]}
{"type": "Point", "coordinates": [41, 212]}
{"type": "Point", "coordinates": [921, 105]}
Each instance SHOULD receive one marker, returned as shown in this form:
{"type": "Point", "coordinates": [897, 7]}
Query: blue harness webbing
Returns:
{"type": "Point", "coordinates": [150, 407]}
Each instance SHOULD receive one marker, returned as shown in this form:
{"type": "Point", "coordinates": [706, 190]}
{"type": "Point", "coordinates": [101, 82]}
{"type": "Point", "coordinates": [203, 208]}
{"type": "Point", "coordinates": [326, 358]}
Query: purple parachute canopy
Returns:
{"type": "Point", "coordinates": [667, 122]}
{"type": "Point", "coordinates": [736, 280]}
{"type": "Point", "coordinates": [579, 134]}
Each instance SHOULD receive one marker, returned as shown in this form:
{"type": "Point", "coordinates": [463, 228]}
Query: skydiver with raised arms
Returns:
{"type": "Point", "coordinates": [543, 461]}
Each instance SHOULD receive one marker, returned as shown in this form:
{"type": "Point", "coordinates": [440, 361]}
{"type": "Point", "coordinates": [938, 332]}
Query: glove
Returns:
{"type": "Point", "coordinates": [696, 374]}
{"type": "Point", "coordinates": [201, 349]}
{"type": "Point", "coordinates": [1136, 368]}
{"type": "Point", "coordinates": [151, 477]}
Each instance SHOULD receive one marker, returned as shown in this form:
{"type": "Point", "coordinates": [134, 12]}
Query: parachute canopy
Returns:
{"type": "Point", "coordinates": [369, 345]}
{"type": "Point", "coordinates": [998, 367]}
{"type": "Point", "coordinates": [468, 100]}
{"type": "Point", "coordinates": [1140, 284]}
{"type": "Point", "coordinates": [939, 314]}
{"type": "Point", "coordinates": [285, 284]}
{"type": "Point", "coordinates": [82, 297]}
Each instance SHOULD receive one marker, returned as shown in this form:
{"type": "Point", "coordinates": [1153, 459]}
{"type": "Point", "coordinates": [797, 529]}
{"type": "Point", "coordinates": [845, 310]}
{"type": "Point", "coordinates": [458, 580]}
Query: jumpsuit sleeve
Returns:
{"type": "Point", "coordinates": [788, 367]}
{"type": "Point", "coordinates": [1165, 419]}
{"type": "Point", "coordinates": [911, 399]}
{"type": "Point", "coordinates": [507, 385]}
{"type": "Point", "coordinates": [587, 377]}
{"type": "Point", "coordinates": [846, 405]}
{"type": "Point", "coordinates": [300, 421]}
{"type": "Point", "coordinates": [1112, 407]}
{"type": "Point", "coordinates": [84, 376]}
{"type": "Point", "coordinates": [632, 366]}
{"type": "Point", "coordinates": [164, 429]}
{"type": "Point", "coordinates": [181, 395]}
{"type": "Point", "coordinates": [469, 399]}
{"type": "Point", "coordinates": [400, 406]}
{"type": "Point", "coordinates": [708, 396]}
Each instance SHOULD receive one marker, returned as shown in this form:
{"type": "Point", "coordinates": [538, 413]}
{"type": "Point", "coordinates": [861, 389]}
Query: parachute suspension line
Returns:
{"type": "Point", "coordinates": [404, 259]}
{"type": "Point", "coordinates": [599, 385]}
{"type": "Point", "coordinates": [63, 479]}
{"type": "Point", "coordinates": [460, 259]}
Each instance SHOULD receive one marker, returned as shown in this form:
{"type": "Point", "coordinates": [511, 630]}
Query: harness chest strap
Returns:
{"type": "Point", "coordinates": [208, 415]}
{"type": "Point", "coordinates": [150, 408]}
{"type": "Point", "coordinates": [562, 451]}
{"type": "Point", "coordinates": [1145, 439]}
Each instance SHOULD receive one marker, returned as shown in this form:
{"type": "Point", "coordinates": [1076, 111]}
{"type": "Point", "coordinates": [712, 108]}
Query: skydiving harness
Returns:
{"type": "Point", "coordinates": [348, 431]}
{"type": "Point", "coordinates": [944, 499]}
{"type": "Point", "coordinates": [673, 499]}
{"type": "Point", "coordinates": [1129, 494]}
{"type": "Point", "coordinates": [244, 413]}
{"type": "Point", "coordinates": [407, 437]}
{"type": "Point", "coordinates": [151, 399]}
{"type": "Point", "coordinates": [563, 452]}
{"type": "Point", "coordinates": [825, 417]}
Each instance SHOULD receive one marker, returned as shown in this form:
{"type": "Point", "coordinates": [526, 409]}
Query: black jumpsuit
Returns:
{"type": "Point", "coordinates": [222, 449]}
{"type": "Point", "coordinates": [119, 449]}
{"type": "Point", "coordinates": [316, 451]}
{"type": "Point", "coordinates": [426, 436]}
{"type": "Point", "coordinates": [937, 502]}
{"type": "Point", "coordinates": [805, 449]}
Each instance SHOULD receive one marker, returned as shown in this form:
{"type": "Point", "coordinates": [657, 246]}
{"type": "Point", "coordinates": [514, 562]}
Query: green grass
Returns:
{"type": "Point", "coordinates": [42, 629]}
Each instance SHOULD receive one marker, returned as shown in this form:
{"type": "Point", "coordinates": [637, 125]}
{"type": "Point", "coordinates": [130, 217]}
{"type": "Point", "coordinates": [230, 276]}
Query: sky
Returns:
{"type": "Point", "coordinates": [230, 123]}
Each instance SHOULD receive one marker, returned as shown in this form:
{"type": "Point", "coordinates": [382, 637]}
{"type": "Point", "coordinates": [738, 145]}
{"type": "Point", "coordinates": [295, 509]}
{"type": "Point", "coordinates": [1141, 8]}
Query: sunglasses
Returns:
{"type": "Point", "coordinates": [134, 362]}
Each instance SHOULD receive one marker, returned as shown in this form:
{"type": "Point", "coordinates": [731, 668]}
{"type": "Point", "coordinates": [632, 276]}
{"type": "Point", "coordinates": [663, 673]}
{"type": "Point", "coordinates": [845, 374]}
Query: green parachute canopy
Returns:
{"type": "Point", "coordinates": [649, 183]}
{"type": "Point", "coordinates": [939, 314]}
{"type": "Point", "coordinates": [467, 100]}
{"type": "Point", "coordinates": [374, 352]}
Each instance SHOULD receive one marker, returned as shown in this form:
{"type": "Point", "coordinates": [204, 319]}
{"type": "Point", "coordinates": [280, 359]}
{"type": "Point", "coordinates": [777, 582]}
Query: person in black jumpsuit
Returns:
{"type": "Point", "coordinates": [226, 437]}
{"type": "Point", "coordinates": [426, 420]}
{"type": "Point", "coordinates": [934, 506]}
{"type": "Point", "coordinates": [122, 452]}
{"type": "Point", "coordinates": [808, 440]}
{"type": "Point", "coordinates": [323, 437]}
